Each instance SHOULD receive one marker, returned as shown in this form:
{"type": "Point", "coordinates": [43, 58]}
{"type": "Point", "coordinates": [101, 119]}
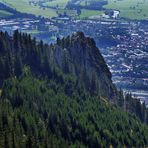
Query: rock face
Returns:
{"type": "Point", "coordinates": [79, 55]}
{"type": "Point", "coordinates": [76, 55]}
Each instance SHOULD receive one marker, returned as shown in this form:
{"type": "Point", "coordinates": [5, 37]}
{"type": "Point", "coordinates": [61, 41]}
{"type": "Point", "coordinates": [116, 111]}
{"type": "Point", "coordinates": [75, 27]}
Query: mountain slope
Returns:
{"type": "Point", "coordinates": [34, 113]}
{"type": "Point", "coordinates": [76, 55]}
{"type": "Point", "coordinates": [56, 96]}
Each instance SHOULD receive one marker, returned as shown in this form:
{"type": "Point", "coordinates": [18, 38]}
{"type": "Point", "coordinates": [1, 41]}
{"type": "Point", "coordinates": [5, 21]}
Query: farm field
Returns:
{"type": "Point", "coordinates": [60, 3]}
{"type": "Point", "coordinates": [69, 12]}
{"type": "Point", "coordinates": [89, 13]}
{"type": "Point", "coordinates": [25, 7]}
{"type": "Point", "coordinates": [131, 9]}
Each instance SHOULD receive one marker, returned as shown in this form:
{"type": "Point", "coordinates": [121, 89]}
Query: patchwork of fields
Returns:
{"type": "Point", "coordinates": [132, 9]}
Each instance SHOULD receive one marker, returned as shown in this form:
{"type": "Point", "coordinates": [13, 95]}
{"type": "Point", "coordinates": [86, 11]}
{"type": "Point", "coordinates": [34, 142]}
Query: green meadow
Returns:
{"type": "Point", "coordinates": [25, 7]}
{"type": "Point", "coordinates": [85, 13]}
{"type": "Point", "coordinates": [60, 3]}
{"type": "Point", "coordinates": [131, 9]}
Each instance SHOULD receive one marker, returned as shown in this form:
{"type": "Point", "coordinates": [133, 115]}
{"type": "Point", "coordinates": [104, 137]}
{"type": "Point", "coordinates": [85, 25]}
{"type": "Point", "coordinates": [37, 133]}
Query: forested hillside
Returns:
{"type": "Point", "coordinates": [62, 96]}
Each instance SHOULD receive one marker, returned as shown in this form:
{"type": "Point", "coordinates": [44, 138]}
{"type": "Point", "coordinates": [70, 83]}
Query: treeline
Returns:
{"type": "Point", "coordinates": [49, 99]}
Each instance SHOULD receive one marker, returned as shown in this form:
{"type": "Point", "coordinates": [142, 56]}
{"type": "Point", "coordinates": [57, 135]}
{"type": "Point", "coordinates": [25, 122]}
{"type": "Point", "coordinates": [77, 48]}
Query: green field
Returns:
{"type": "Point", "coordinates": [4, 13]}
{"type": "Point", "coordinates": [89, 13]}
{"type": "Point", "coordinates": [132, 9]}
{"type": "Point", "coordinates": [24, 6]}
{"type": "Point", "coordinates": [69, 12]}
{"type": "Point", "coordinates": [55, 3]}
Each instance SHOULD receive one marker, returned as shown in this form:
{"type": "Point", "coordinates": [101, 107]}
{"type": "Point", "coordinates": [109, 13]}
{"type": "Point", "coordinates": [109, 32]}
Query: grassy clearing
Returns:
{"type": "Point", "coordinates": [132, 9]}
{"type": "Point", "coordinates": [4, 13]}
{"type": "Point", "coordinates": [25, 7]}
